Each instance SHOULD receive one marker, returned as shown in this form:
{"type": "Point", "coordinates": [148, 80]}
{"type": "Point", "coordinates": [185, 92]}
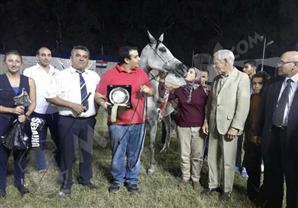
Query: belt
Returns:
{"type": "Point", "coordinates": [71, 116]}
{"type": "Point", "coordinates": [280, 127]}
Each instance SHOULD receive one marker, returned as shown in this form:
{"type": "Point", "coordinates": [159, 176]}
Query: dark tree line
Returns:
{"type": "Point", "coordinates": [189, 25]}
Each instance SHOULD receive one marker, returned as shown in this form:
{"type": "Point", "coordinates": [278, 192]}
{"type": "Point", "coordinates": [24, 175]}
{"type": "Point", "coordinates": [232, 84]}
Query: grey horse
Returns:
{"type": "Point", "coordinates": [155, 58]}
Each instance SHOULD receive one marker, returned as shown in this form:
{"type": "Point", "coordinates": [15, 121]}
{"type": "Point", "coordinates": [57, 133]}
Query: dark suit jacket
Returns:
{"type": "Point", "coordinates": [269, 101]}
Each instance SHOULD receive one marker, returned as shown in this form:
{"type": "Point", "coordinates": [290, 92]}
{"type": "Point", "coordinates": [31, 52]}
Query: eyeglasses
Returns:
{"type": "Point", "coordinates": [285, 62]}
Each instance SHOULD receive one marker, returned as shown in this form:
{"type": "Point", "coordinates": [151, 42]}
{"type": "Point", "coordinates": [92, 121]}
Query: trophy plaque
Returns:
{"type": "Point", "coordinates": [119, 96]}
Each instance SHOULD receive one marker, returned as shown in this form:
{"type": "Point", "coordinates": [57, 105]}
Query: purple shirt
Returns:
{"type": "Point", "coordinates": [191, 114]}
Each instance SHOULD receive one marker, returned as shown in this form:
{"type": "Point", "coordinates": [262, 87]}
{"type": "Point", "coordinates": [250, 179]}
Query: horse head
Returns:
{"type": "Point", "coordinates": [156, 58]}
{"type": "Point", "coordinates": [155, 55]}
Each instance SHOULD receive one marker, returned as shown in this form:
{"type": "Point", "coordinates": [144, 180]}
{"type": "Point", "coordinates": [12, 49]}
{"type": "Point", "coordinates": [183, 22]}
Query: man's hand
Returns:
{"type": "Point", "coordinates": [77, 108]}
{"type": "Point", "coordinates": [102, 100]}
{"type": "Point", "coordinates": [145, 89]}
{"type": "Point", "coordinates": [105, 104]}
{"type": "Point", "coordinates": [232, 134]}
{"type": "Point", "coordinates": [205, 127]}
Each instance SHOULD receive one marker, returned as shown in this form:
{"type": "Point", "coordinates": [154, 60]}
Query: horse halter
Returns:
{"type": "Point", "coordinates": [161, 58]}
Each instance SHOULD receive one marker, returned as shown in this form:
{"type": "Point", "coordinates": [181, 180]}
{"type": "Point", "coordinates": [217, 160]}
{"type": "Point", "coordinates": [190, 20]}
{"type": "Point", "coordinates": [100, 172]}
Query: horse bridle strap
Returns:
{"type": "Point", "coordinates": [154, 76]}
{"type": "Point", "coordinates": [161, 58]}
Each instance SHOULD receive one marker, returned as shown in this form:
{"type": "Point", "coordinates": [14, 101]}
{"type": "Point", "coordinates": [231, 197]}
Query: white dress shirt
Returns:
{"type": "Point", "coordinates": [67, 87]}
{"type": "Point", "coordinates": [293, 89]}
{"type": "Point", "coordinates": [42, 80]}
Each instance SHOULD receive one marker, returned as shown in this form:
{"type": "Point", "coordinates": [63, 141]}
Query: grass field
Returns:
{"type": "Point", "coordinates": [159, 190]}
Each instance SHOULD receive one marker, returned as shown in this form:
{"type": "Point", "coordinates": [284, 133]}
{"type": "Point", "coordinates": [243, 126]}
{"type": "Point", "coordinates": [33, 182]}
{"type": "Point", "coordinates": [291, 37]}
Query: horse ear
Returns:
{"type": "Point", "coordinates": [151, 38]}
{"type": "Point", "coordinates": [160, 39]}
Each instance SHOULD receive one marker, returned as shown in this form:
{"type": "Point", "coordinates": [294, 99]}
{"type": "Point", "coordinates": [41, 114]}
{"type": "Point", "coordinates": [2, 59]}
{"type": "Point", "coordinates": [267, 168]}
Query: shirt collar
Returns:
{"type": "Point", "coordinates": [224, 76]}
{"type": "Point", "coordinates": [73, 70]}
{"type": "Point", "coordinates": [227, 75]}
{"type": "Point", "coordinates": [294, 78]}
{"type": "Point", "coordinates": [120, 69]}
{"type": "Point", "coordinates": [52, 70]}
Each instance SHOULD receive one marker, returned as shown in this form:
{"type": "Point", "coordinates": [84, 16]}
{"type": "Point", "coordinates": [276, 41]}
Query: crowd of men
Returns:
{"type": "Point", "coordinates": [68, 101]}
{"type": "Point", "coordinates": [271, 129]}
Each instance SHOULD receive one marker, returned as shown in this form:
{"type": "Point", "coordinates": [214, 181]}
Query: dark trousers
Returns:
{"type": "Point", "coordinates": [252, 162]}
{"type": "Point", "coordinates": [239, 152]}
{"type": "Point", "coordinates": [279, 164]}
{"type": "Point", "coordinates": [72, 130]}
{"type": "Point", "coordinates": [19, 166]}
{"type": "Point", "coordinates": [51, 123]}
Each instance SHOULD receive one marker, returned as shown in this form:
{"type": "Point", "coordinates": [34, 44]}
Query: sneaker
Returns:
{"type": "Point", "coordinates": [244, 173]}
{"type": "Point", "coordinates": [89, 185]}
{"type": "Point", "coordinates": [114, 187]}
{"type": "Point", "coordinates": [65, 192]}
{"type": "Point", "coordinates": [23, 190]}
{"type": "Point", "coordinates": [132, 188]}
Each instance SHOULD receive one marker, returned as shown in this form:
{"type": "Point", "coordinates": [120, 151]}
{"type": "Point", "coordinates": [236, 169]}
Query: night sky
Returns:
{"type": "Point", "coordinates": [190, 26]}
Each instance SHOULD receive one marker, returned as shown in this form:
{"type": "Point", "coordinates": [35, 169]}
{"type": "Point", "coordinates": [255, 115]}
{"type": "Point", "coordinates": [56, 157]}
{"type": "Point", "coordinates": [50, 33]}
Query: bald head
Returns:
{"type": "Point", "coordinates": [290, 56]}
{"type": "Point", "coordinates": [288, 65]}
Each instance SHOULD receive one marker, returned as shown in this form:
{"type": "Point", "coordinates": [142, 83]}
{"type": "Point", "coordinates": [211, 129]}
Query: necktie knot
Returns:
{"type": "Point", "coordinates": [80, 74]}
{"type": "Point", "coordinates": [222, 76]}
{"type": "Point", "coordinates": [289, 81]}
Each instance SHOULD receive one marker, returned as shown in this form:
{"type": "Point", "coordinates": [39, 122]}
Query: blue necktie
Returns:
{"type": "Point", "coordinates": [84, 94]}
{"type": "Point", "coordinates": [278, 115]}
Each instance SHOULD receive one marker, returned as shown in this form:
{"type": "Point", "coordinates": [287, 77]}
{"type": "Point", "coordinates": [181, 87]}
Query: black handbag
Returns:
{"type": "Point", "coordinates": [16, 137]}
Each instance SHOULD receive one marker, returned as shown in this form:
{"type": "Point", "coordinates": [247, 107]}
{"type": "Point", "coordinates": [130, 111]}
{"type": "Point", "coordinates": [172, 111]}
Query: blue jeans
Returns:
{"type": "Point", "coordinates": [127, 145]}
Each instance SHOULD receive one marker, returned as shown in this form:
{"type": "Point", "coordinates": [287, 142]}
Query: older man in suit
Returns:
{"type": "Point", "coordinates": [279, 134]}
{"type": "Point", "coordinates": [227, 110]}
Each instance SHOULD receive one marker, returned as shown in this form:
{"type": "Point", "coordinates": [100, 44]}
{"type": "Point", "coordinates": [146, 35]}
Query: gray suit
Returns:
{"type": "Point", "coordinates": [227, 107]}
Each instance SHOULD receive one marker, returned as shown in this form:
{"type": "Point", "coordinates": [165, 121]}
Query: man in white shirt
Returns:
{"type": "Point", "coordinates": [73, 93]}
{"type": "Point", "coordinates": [43, 73]}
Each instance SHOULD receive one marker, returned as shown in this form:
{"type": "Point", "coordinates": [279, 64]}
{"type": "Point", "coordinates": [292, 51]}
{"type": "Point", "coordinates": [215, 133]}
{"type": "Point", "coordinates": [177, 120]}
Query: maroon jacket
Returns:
{"type": "Point", "coordinates": [191, 114]}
